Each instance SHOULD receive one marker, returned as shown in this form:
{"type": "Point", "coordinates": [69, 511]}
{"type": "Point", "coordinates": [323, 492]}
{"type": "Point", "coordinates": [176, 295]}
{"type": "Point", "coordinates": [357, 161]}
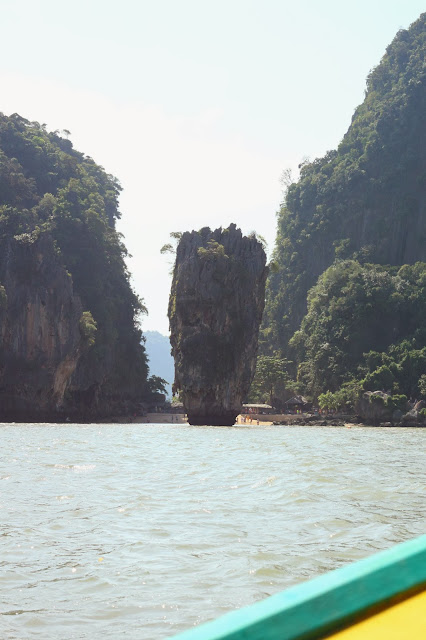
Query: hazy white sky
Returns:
{"type": "Point", "coordinates": [195, 105]}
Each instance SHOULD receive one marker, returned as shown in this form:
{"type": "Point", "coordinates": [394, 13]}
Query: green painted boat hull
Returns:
{"type": "Point", "coordinates": [333, 601]}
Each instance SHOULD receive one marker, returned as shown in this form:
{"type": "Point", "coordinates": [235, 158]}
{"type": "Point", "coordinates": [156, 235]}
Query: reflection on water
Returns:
{"type": "Point", "coordinates": [145, 530]}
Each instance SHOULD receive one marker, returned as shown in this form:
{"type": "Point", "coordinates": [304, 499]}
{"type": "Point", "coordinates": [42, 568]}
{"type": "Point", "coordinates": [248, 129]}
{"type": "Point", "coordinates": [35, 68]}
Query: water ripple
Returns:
{"type": "Point", "coordinates": [145, 530]}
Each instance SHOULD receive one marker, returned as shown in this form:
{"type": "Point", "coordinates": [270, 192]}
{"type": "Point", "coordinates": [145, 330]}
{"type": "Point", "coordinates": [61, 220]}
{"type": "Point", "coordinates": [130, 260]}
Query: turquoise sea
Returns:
{"type": "Point", "coordinates": [142, 531]}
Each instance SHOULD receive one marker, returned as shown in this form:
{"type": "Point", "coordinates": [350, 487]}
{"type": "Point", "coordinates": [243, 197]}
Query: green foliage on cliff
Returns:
{"type": "Point", "coordinates": [88, 328]}
{"type": "Point", "coordinates": [365, 323]}
{"type": "Point", "coordinates": [346, 299]}
{"type": "Point", "coordinates": [213, 250]}
{"type": "Point", "coordinates": [46, 186]}
{"type": "Point", "coordinates": [365, 201]}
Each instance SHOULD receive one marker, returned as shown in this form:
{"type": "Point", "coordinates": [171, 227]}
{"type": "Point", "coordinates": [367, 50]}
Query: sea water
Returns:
{"type": "Point", "coordinates": [142, 531]}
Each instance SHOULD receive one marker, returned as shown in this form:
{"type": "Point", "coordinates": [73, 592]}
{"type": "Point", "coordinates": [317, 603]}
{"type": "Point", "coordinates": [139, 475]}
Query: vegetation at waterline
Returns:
{"type": "Point", "coordinates": [47, 187]}
{"type": "Point", "coordinates": [364, 322]}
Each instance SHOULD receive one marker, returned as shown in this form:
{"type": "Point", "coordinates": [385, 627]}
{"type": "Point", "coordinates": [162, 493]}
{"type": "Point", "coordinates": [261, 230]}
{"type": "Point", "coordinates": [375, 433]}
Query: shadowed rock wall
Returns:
{"type": "Point", "coordinates": [215, 309]}
{"type": "Point", "coordinates": [40, 340]}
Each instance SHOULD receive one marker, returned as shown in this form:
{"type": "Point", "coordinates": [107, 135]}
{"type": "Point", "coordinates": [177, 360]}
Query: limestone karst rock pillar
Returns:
{"type": "Point", "coordinates": [215, 309]}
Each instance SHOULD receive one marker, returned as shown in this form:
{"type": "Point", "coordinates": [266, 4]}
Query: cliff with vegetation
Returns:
{"type": "Point", "coordinates": [70, 345]}
{"type": "Point", "coordinates": [216, 305]}
{"type": "Point", "coordinates": [339, 289]}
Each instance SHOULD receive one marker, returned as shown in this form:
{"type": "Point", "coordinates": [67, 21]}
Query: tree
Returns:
{"type": "Point", "coordinates": [271, 371]}
{"type": "Point", "coordinates": [157, 384]}
{"type": "Point", "coordinates": [170, 247]}
{"type": "Point", "coordinates": [365, 323]}
{"type": "Point", "coordinates": [380, 379]}
{"type": "Point", "coordinates": [328, 401]}
{"type": "Point", "coordinates": [348, 395]}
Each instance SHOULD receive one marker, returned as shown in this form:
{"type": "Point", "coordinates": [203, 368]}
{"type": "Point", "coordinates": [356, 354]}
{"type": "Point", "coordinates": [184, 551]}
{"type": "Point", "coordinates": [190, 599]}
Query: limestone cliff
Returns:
{"type": "Point", "coordinates": [39, 330]}
{"type": "Point", "coordinates": [215, 309]}
{"type": "Point", "coordinates": [367, 199]}
{"type": "Point", "coordinates": [59, 247]}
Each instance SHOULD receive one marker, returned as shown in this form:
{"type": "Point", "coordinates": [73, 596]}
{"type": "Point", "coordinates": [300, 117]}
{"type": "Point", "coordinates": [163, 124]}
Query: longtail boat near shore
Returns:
{"type": "Point", "coordinates": [382, 596]}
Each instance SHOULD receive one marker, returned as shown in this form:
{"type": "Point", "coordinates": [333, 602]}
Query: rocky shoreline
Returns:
{"type": "Point", "coordinates": [340, 421]}
{"type": "Point", "coordinates": [304, 420]}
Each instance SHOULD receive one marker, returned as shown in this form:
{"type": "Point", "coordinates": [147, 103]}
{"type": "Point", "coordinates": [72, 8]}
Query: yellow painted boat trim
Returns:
{"type": "Point", "coordinates": [406, 619]}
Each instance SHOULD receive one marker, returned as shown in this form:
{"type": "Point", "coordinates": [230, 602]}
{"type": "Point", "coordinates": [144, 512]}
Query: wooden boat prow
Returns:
{"type": "Point", "coordinates": [382, 596]}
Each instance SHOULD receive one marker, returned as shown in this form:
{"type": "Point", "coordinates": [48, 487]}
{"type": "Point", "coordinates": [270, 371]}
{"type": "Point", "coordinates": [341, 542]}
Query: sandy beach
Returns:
{"type": "Point", "coordinates": [179, 418]}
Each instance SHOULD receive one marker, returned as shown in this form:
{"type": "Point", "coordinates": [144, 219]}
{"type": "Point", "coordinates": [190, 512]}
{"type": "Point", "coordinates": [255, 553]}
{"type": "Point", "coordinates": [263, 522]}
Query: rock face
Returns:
{"type": "Point", "coordinates": [40, 340]}
{"type": "Point", "coordinates": [215, 309]}
{"type": "Point", "coordinates": [372, 407]}
{"type": "Point", "coordinates": [367, 199]}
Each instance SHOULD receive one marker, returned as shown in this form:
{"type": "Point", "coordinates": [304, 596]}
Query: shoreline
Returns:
{"type": "Point", "coordinates": [284, 420]}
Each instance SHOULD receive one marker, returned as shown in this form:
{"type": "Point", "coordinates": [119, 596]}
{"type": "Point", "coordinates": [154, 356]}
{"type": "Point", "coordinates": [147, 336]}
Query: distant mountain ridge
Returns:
{"type": "Point", "coordinates": [160, 361]}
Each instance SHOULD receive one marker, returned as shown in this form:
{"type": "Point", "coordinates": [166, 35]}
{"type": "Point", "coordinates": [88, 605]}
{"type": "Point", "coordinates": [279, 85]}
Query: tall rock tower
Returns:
{"type": "Point", "coordinates": [215, 309]}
